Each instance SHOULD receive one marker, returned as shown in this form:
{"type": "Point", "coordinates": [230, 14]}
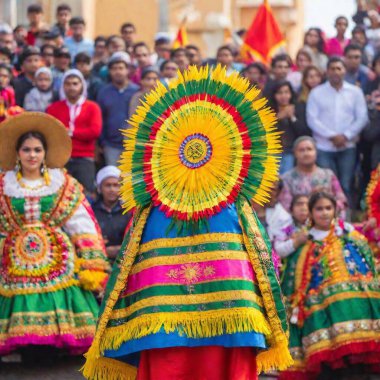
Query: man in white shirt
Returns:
{"type": "Point", "coordinates": [336, 113]}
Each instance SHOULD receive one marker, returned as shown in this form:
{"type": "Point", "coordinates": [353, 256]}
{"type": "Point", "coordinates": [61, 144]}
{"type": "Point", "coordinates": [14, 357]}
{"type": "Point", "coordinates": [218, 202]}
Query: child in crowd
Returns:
{"type": "Point", "coordinates": [273, 216]}
{"type": "Point", "coordinates": [295, 234]}
{"type": "Point", "coordinates": [41, 96]}
{"type": "Point", "coordinates": [7, 94]}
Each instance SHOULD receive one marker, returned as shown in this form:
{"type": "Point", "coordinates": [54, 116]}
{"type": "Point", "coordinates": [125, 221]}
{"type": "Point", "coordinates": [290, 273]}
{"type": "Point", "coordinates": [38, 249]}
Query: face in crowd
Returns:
{"type": "Point", "coordinates": [119, 72]}
{"type": "Point", "coordinates": [73, 87]}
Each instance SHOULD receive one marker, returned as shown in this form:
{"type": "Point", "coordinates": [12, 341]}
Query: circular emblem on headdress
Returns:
{"type": "Point", "coordinates": [197, 145]}
{"type": "Point", "coordinates": [195, 151]}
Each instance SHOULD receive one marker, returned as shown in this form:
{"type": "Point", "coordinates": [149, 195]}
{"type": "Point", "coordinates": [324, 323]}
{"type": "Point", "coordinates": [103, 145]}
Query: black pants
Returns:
{"type": "Point", "coordinates": [83, 169]}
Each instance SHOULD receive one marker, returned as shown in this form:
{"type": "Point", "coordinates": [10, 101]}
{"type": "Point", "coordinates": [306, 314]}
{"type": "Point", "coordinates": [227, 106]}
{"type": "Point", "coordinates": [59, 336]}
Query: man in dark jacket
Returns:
{"type": "Point", "coordinates": [114, 100]}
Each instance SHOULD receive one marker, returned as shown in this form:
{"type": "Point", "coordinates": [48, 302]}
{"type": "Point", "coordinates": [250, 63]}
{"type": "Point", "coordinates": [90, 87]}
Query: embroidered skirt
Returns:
{"type": "Point", "coordinates": [340, 309]}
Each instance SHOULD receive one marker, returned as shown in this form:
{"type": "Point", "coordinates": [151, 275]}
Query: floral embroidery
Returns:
{"type": "Point", "coordinates": [191, 273]}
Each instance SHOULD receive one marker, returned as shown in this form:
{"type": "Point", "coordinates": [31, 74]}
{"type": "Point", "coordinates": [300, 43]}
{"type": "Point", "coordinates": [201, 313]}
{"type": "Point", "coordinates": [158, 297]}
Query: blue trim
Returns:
{"type": "Point", "coordinates": [129, 351]}
{"type": "Point", "coordinates": [225, 221]}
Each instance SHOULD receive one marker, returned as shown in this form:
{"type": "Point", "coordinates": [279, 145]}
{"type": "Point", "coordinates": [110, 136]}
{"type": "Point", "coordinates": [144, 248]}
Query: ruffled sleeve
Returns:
{"type": "Point", "coordinates": [92, 265]}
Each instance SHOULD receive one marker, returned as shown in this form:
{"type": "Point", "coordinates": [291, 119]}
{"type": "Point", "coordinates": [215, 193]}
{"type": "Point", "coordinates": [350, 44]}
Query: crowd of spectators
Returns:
{"type": "Point", "coordinates": [327, 100]}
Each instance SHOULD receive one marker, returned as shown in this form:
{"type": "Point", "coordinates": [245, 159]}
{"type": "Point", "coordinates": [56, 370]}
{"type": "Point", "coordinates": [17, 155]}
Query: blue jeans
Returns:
{"type": "Point", "coordinates": [112, 155]}
{"type": "Point", "coordinates": [287, 163]}
{"type": "Point", "coordinates": [343, 164]}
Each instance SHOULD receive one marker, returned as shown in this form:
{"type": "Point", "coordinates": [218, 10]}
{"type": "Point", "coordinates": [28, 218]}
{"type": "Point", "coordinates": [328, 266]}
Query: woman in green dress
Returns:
{"type": "Point", "coordinates": [51, 252]}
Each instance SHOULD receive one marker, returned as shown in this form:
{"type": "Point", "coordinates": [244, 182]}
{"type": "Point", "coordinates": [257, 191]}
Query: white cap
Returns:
{"type": "Point", "coordinates": [109, 171]}
{"type": "Point", "coordinates": [120, 56]}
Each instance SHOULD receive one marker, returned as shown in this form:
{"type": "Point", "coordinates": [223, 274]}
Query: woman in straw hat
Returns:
{"type": "Point", "coordinates": [51, 250]}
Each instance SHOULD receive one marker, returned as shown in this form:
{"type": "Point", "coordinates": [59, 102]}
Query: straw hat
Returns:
{"type": "Point", "coordinates": [55, 133]}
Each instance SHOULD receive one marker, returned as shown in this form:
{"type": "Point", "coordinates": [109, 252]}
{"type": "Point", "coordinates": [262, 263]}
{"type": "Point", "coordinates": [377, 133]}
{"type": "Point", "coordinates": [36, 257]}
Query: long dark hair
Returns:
{"type": "Point", "coordinates": [321, 42]}
{"type": "Point", "coordinates": [32, 134]}
{"type": "Point", "coordinates": [276, 88]}
{"type": "Point", "coordinates": [315, 197]}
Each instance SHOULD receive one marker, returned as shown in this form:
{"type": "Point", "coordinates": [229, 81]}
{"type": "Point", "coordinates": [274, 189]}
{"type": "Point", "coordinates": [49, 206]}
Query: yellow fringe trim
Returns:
{"type": "Point", "coordinates": [278, 355]}
{"type": "Point", "coordinates": [51, 288]}
{"type": "Point", "coordinates": [192, 324]}
{"type": "Point", "coordinates": [110, 369]}
{"type": "Point", "coordinates": [131, 250]}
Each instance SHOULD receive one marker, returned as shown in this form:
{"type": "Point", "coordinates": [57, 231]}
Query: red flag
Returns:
{"type": "Point", "coordinates": [264, 37]}
{"type": "Point", "coordinates": [181, 39]}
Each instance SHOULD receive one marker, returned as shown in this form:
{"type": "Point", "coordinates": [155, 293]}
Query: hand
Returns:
{"type": "Point", "coordinates": [299, 238]}
{"type": "Point", "coordinates": [112, 251]}
{"type": "Point", "coordinates": [291, 111]}
{"type": "Point", "coordinates": [370, 224]}
{"type": "Point", "coordinates": [339, 141]}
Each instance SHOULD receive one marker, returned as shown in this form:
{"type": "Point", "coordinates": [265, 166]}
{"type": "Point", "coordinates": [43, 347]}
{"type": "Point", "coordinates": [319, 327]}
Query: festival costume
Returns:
{"type": "Point", "coordinates": [334, 295]}
{"type": "Point", "coordinates": [195, 273]}
{"type": "Point", "coordinates": [373, 211]}
{"type": "Point", "coordinates": [52, 254]}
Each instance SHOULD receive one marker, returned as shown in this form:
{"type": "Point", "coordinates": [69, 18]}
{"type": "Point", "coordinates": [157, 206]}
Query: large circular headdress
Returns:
{"type": "Point", "coordinates": [195, 146]}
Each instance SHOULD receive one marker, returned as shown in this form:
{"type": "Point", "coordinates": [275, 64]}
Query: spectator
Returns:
{"type": "Point", "coordinates": [282, 100]}
{"type": "Point", "coordinates": [373, 32]}
{"type": "Point", "coordinates": [100, 52]}
{"type": "Point", "coordinates": [375, 83]}
{"type": "Point", "coordinates": [41, 96]}
{"type": "Point", "coordinates": [35, 16]}
{"type": "Point", "coordinates": [52, 38]}
{"type": "Point", "coordinates": [256, 73]}
{"type": "Point", "coordinates": [63, 17]}
{"type": "Point", "coordinates": [273, 216]}
{"type": "Point", "coordinates": [359, 38]}
{"type": "Point", "coordinates": [371, 134]}
{"type": "Point", "coordinates": [311, 78]}
{"type": "Point", "coordinates": [114, 100]}
{"type": "Point", "coordinates": [168, 70]}
{"type": "Point", "coordinates": [180, 58]}
{"type": "Point", "coordinates": [30, 61]}
{"type": "Point", "coordinates": [149, 80]}
{"type": "Point", "coordinates": [108, 210]}
{"type": "Point", "coordinates": [306, 177]}
{"type": "Point", "coordinates": [194, 55]}
{"type": "Point", "coordinates": [77, 43]}
{"type": "Point", "coordinates": [225, 57]}
{"type": "Point", "coordinates": [7, 94]}
{"type": "Point", "coordinates": [128, 33]}
{"type": "Point", "coordinates": [7, 39]}
{"type": "Point", "coordinates": [83, 63]}
{"type": "Point", "coordinates": [162, 50]}
{"type": "Point", "coordinates": [5, 55]}
{"type": "Point", "coordinates": [62, 63]}
{"type": "Point", "coordinates": [47, 54]}
{"type": "Point", "coordinates": [83, 120]}
{"type": "Point", "coordinates": [335, 46]}
{"type": "Point", "coordinates": [336, 113]}
{"type": "Point", "coordinates": [315, 46]}
{"type": "Point", "coordinates": [356, 72]}
{"type": "Point", "coordinates": [303, 60]}
{"type": "Point", "coordinates": [142, 57]}
{"type": "Point", "coordinates": [19, 36]}
{"type": "Point", "coordinates": [280, 68]}
{"type": "Point", "coordinates": [114, 44]}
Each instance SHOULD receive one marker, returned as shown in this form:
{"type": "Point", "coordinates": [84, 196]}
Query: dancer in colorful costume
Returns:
{"type": "Point", "coordinates": [371, 227]}
{"type": "Point", "coordinates": [334, 293]}
{"type": "Point", "coordinates": [51, 251]}
{"type": "Point", "coordinates": [194, 294]}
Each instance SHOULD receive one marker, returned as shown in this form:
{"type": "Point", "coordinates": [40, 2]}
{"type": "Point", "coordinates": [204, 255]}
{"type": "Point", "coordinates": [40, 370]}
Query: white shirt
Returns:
{"type": "Point", "coordinates": [276, 218]}
{"type": "Point", "coordinates": [332, 112]}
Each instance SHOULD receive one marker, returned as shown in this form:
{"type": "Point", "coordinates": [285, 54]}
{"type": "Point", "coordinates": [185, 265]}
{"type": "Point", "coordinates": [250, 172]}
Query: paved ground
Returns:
{"type": "Point", "coordinates": [65, 369]}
